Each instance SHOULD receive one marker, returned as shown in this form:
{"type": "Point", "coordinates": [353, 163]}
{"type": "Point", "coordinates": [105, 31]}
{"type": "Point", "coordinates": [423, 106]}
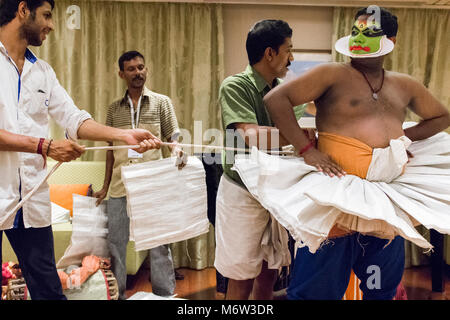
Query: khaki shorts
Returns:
{"type": "Point", "coordinates": [241, 222]}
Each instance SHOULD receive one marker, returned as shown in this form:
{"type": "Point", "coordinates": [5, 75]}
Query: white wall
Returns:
{"type": "Point", "coordinates": [312, 28]}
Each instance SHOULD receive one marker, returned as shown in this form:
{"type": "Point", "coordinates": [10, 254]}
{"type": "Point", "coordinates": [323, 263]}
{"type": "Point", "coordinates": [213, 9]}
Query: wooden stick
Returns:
{"type": "Point", "coordinates": [32, 192]}
{"type": "Point", "coordinates": [189, 146]}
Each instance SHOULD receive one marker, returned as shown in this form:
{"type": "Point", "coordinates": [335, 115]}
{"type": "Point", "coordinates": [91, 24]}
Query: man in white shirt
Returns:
{"type": "Point", "coordinates": [29, 93]}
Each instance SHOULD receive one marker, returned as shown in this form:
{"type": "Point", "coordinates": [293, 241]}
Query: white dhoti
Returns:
{"type": "Point", "coordinates": [246, 234]}
{"type": "Point", "coordinates": [392, 196]}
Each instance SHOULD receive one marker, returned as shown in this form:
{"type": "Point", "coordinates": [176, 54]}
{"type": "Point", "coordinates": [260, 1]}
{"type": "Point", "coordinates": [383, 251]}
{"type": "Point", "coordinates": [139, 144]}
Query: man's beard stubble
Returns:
{"type": "Point", "coordinates": [31, 32]}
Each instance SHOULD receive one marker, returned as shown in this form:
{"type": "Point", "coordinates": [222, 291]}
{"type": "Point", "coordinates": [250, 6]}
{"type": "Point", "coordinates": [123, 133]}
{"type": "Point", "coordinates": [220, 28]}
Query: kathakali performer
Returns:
{"type": "Point", "coordinates": [352, 199]}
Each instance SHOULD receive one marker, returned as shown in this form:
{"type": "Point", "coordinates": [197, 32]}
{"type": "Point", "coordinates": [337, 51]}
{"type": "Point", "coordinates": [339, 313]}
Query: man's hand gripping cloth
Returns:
{"type": "Point", "coordinates": [382, 194]}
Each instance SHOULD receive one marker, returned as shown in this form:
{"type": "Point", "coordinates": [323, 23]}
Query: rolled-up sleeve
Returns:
{"type": "Point", "coordinates": [62, 108]}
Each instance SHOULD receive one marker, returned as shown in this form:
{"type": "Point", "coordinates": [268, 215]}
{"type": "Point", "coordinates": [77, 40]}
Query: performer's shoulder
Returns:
{"type": "Point", "coordinates": [332, 67]}
{"type": "Point", "coordinates": [399, 76]}
{"type": "Point", "coordinates": [404, 80]}
{"type": "Point", "coordinates": [331, 70]}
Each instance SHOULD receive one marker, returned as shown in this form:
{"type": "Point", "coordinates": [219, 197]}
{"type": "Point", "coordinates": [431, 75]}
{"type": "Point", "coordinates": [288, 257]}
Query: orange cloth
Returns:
{"type": "Point", "coordinates": [61, 194]}
{"type": "Point", "coordinates": [354, 157]}
{"type": "Point", "coordinates": [351, 154]}
{"type": "Point", "coordinates": [353, 291]}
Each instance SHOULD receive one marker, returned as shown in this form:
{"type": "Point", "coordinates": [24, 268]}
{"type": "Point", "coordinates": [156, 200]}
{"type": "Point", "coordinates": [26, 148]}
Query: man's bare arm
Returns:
{"type": "Point", "coordinates": [435, 116]}
{"type": "Point", "coordinates": [101, 194]}
{"type": "Point", "coordinates": [308, 87]}
{"type": "Point", "coordinates": [262, 137]}
{"type": "Point", "coordinates": [60, 150]}
{"type": "Point", "coordinates": [15, 142]}
{"type": "Point", "coordinates": [281, 100]}
{"type": "Point", "coordinates": [92, 130]}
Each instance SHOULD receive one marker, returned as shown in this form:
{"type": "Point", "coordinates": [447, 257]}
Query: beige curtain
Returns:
{"type": "Point", "coordinates": [183, 47]}
{"type": "Point", "coordinates": [182, 44]}
{"type": "Point", "coordinates": [421, 50]}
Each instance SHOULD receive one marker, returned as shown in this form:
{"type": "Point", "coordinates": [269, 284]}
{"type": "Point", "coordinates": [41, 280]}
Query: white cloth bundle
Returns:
{"type": "Point", "coordinates": [165, 205]}
{"type": "Point", "coordinates": [386, 204]}
{"type": "Point", "coordinates": [142, 295]}
{"type": "Point", "coordinates": [89, 232]}
{"type": "Point", "coordinates": [59, 214]}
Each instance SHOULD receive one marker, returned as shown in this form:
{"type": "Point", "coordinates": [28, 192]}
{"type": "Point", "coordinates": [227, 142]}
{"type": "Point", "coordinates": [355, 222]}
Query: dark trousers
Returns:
{"type": "Point", "coordinates": [35, 252]}
{"type": "Point", "coordinates": [213, 171]}
{"type": "Point", "coordinates": [324, 275]}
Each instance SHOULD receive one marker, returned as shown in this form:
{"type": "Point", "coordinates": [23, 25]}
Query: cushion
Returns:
{"type": "Point", "coordinates": [61, 194]}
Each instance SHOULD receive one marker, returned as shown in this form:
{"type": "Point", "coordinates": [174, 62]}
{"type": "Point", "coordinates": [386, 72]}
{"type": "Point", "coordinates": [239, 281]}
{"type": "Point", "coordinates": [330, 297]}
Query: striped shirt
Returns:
{"type": "Point", "coordinates": [157, 115]}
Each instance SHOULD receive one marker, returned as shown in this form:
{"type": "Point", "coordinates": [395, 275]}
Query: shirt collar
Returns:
{"type": "Point", "coordinates": [258, 80]}
{"type": "Point", "coordinates": [3, 49]}
{"type": "Point", "coordinates": [29, 55]}
{"type": "Point", "coordinates": [146, 93]}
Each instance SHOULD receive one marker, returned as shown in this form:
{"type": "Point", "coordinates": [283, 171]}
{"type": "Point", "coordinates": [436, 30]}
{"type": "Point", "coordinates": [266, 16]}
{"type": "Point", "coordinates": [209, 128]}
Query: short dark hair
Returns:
{"type": "Point", "coordinates": [388, 21]}
{"type": "Point", "coordinates": [127, 56]}
{"type": "Point", "coordinates": [264, 34]}
{"type": "Point", "coordinates": [8, 8]}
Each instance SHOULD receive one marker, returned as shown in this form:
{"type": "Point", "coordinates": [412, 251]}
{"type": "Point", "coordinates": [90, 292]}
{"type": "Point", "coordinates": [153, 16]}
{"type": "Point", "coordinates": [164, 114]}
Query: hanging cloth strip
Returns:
{"type": "Point", "coordinates": [165, 205]}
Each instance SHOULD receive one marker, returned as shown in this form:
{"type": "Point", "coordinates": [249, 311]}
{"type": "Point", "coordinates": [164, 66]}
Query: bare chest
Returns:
{"type": "Point", "coordinates": [354, 97]}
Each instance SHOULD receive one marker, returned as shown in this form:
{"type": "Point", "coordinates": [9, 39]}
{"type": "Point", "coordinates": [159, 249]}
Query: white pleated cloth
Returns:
{"type": "Point", "coordinates": [164, 204]}
{"type": "Point", "coordinates": [385, 204]}
{"type": "Point", "coordinates": [89, 232]}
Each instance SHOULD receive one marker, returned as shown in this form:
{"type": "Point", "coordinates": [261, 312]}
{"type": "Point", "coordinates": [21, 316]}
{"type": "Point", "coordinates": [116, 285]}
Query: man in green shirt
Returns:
{"type": "Point", "coordinates": [248, 250]}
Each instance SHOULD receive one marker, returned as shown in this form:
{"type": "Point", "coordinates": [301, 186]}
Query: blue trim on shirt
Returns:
{"type": "Point", "coordinates": [18, 95]}
{"type": "Point", "coordinates": [30, 56]}
{"type": "Point", "coordinates": [19, 213]}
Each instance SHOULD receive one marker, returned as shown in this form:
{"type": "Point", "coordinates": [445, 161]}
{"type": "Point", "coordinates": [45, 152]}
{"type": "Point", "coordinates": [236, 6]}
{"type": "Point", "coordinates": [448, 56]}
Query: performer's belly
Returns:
{"type": "Point", "coordinates": [352, 155]}
{"type": "Point", "coordinates": [375, 131]}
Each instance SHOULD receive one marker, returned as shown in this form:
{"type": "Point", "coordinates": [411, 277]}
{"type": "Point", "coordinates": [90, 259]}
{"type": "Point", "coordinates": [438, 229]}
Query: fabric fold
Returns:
{"type": "Point", "coordinates": [396, 194]}
{"type": "Point", "coordinates": [165, 205]}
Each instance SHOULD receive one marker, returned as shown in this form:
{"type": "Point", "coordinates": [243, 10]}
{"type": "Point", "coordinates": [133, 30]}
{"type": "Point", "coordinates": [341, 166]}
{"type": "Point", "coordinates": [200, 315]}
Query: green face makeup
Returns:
{"type": "Point", "coordinates": [366, 37]}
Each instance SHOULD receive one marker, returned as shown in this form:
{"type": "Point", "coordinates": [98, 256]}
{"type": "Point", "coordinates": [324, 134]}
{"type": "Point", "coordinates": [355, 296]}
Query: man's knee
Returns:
{"type": "Point", "coordinates": [239, 289]}
{"type": "Point", "coordinates": [267, 275]}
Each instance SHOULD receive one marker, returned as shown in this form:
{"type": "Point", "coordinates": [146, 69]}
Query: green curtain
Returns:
{"type": "Point", "coordinates": [183, 47]}
{"type": "Point", "coordinates": [182, 44]}
{"type": "Point", "coordinates": [421, 50]}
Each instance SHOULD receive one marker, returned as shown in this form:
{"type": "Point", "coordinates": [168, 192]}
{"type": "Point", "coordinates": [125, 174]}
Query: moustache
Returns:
{"type": "Point", "coordinates": [138, 78]}
{"type": "Point", "coordinates": [367, 49]}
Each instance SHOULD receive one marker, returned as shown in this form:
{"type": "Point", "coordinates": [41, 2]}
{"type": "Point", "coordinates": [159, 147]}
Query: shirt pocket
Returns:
{"type": "Point", "coordinates": [149, 118]}
{"type": "Point", "coordinates": [38, 104]}
{"type": "Point", "coordinates": [154, 128]}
